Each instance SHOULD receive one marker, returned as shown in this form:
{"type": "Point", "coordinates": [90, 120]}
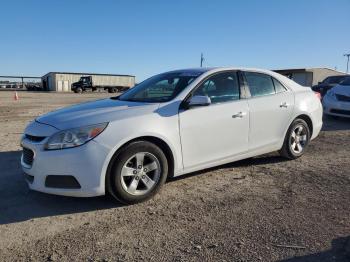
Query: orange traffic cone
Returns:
{"type": "Point", "coordinates": [16, 96]}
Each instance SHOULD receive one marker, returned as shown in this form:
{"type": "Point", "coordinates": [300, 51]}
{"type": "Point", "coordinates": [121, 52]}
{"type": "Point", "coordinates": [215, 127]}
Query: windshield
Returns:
{"type": "Point", "coordinates": [346, 82]}
{"type": "Point", "coordinates": [160, 88]}
{"type": "Point", "coordinates": [333, 79]}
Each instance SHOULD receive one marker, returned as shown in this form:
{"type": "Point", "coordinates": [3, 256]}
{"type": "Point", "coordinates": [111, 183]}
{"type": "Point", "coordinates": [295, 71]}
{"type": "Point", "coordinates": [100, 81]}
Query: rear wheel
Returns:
{"type": "Point", "coordinates": [110, 90]}
{"type": "Point", "coordinates": [138, 172]}
{"type": "Point", "coordinates": [296, 140]}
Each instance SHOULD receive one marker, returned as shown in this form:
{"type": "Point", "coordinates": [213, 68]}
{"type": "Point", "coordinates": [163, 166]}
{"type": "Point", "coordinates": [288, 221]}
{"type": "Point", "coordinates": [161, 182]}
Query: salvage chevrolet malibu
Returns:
{"type": "Point", "coordinates": [168, 125]}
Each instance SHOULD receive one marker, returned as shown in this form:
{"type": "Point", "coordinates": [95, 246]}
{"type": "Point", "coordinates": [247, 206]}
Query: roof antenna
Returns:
{"type": "Point", "coordinates": [202, 59]}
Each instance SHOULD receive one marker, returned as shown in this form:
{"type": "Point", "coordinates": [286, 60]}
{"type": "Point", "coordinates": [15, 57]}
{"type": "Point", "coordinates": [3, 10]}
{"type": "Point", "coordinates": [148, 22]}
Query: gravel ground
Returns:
{"type": "Point", "coordinates": [261, 209]}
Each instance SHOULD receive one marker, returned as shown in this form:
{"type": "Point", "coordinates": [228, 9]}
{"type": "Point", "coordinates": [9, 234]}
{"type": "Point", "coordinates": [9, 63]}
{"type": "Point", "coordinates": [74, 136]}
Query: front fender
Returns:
{"type": "Point", "coordinates": [119, 133]}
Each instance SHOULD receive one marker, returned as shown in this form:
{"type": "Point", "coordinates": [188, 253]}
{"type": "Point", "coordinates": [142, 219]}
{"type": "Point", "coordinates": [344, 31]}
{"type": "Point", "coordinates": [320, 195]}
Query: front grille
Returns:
{"type": "Point", "coordinates": [343, 98]}
{"type": "Point", "coordinates": [28, 156]}
{"type": "Point", "coordinates": [35, 138]}
{"type": "Point", "coordinates": [341, 112]}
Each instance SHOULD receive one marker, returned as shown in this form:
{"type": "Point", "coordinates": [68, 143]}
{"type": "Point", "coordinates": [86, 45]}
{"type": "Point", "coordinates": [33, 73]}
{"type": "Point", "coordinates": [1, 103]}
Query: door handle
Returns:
{"type": "Point", "coordinates": [239, 115]}
{"type": "Point", "coordinates": [284, 104]}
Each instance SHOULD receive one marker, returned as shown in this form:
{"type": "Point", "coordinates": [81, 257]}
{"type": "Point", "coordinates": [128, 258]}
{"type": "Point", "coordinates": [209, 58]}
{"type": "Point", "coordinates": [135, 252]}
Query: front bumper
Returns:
{"type": "Point", "coordinates": [84, 163]}
{"type": "Point", "coordinates": [336, 108]}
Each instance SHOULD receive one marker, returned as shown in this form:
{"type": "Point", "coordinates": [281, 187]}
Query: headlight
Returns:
{"type": "Point", "coordinates": [74, 137]}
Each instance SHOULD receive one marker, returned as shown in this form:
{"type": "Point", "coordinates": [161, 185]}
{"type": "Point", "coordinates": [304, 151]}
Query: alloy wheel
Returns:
{"type": "Point", "coordinates": [140, 173]}
{"type": "Point", "coordinates": [298, 139]}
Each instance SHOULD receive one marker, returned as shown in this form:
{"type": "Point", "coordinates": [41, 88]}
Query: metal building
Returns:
{"type": "Point", "coordinates": [62, 81]}
{"type": "Point", "coordinates": [309, 76]}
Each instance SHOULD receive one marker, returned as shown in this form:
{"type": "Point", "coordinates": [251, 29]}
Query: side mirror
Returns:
{"type": "Point", "coordinates": [199, 101]}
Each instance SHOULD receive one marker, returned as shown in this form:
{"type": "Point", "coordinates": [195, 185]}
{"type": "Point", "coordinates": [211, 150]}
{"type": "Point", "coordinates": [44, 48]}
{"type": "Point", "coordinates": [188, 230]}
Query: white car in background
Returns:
{"type": "Point", "coordinates": [337, 100]}
{"type": "Point", "coordinates": [169, 125]}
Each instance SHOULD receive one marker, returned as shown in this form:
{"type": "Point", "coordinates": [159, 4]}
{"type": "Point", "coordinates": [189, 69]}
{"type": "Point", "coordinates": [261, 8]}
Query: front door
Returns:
{"type": "Point", "coordinates": [218, 131]}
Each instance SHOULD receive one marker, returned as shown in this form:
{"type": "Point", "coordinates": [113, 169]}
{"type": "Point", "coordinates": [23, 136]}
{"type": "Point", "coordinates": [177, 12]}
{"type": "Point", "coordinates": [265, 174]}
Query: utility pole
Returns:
{"type": "Point", "coordinates": [202, 59]}
{"type": "Point", "coordinates": [347, 63]}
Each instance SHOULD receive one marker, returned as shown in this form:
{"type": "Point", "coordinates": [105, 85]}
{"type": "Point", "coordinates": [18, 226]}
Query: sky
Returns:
{"type": "Point", "coordinates": [143, 38]}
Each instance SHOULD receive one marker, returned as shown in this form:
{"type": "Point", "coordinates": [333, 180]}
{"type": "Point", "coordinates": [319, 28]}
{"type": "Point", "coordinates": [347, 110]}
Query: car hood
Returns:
{"type": "Point", "coordinates": [100, 111]}
{"type": "Point", "coordinates": [341, 90]}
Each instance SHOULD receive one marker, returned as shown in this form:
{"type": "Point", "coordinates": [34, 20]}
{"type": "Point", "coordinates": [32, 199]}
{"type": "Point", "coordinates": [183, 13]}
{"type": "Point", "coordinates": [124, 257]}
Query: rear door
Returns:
{"type": "Point", "coordinates": [271, 106]}
{"type": "Point", "coordinates": [218, 131]}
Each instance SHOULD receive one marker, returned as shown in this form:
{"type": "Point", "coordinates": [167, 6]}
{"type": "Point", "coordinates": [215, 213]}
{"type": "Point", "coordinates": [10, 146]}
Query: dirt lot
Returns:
{"type": "Point", "coordinates": [261, 209]}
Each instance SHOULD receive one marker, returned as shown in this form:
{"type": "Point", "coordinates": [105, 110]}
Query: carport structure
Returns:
{"type": "Point", "coordinates": [20, 77]}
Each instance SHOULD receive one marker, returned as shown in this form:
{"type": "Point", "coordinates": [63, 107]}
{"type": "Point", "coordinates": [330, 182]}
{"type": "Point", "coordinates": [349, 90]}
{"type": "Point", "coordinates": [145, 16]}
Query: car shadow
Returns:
{"type": "Point", "coordinates": [335, 123]}
{"type": "Point", "coordinates": [340, 251]}
{"type": "Point", "coordinates": [18, 203]}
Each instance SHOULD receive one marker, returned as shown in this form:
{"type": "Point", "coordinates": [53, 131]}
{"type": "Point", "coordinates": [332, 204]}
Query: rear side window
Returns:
{"type": "Point", "coordinates": [259, 84]}
{"type": "Point", "coordinates": [278, 86]}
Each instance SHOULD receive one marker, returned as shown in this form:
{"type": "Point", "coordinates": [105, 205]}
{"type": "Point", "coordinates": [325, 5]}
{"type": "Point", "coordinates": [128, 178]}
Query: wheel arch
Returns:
{"type": "Point", "coordinates": [152, 139]}
{"type": "Point", "coordinates": [302, 116]}
{"type": "Point", "coordinates": [308, 121]}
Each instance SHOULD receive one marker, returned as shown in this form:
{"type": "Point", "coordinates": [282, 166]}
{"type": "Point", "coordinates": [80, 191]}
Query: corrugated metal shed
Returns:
{"type": "Point", "coordinates": [62, 81]}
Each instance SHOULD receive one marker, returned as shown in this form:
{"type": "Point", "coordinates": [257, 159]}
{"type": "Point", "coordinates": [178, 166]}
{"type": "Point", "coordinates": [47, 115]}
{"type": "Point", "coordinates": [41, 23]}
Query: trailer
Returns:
{"type": "Point", "coordinates": [86, 83]}
{"type": "Point", "coordinates": [79, 82]}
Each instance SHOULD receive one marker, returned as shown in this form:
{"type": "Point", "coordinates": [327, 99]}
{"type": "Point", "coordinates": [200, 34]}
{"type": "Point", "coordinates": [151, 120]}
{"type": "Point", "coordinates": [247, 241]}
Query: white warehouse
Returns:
{"type": "Point", "coordinates": [62, 81]}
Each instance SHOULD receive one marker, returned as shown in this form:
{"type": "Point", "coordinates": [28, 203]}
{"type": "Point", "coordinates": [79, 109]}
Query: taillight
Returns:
{"type": "Point", "coordinates": [318, 94]}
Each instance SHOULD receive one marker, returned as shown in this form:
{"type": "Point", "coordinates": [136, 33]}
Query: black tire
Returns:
{"type": "Point", "coordinates": [116, 186]}
{"type": "Point", "coordinates": [287, 150]}
{"type": "Point", "coordinates": [114, 90]}
{"type": "Point", "coordinates": [79, 90]}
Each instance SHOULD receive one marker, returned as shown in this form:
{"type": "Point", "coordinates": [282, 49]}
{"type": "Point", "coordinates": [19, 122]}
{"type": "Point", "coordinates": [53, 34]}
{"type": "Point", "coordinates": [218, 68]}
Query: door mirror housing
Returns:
{"type": "Point", "coordinates": [199, 101]}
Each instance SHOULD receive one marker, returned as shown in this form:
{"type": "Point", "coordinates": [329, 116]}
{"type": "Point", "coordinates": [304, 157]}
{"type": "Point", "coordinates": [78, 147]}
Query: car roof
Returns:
{"type": "Point", "coordinates": [218, 69]}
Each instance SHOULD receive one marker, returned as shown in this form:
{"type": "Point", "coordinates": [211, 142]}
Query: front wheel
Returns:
{"type": "Point", "coordinates": [137, 173]}
{"type": "Point", "coordinates": [296, 140]}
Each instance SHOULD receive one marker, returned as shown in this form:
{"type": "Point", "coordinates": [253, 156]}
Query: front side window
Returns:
{"type": "Point", "coordinates": [220, 88]}
{"type": "Point", "coordinates": [259, 84]}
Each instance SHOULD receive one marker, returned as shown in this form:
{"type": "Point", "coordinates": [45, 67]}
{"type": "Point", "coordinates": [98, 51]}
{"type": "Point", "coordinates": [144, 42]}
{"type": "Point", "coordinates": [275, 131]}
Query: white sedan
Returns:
{"type": "Point", "coordinates": [337, 100]}
{"type": "Point", "coordinates": [169, 125]}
